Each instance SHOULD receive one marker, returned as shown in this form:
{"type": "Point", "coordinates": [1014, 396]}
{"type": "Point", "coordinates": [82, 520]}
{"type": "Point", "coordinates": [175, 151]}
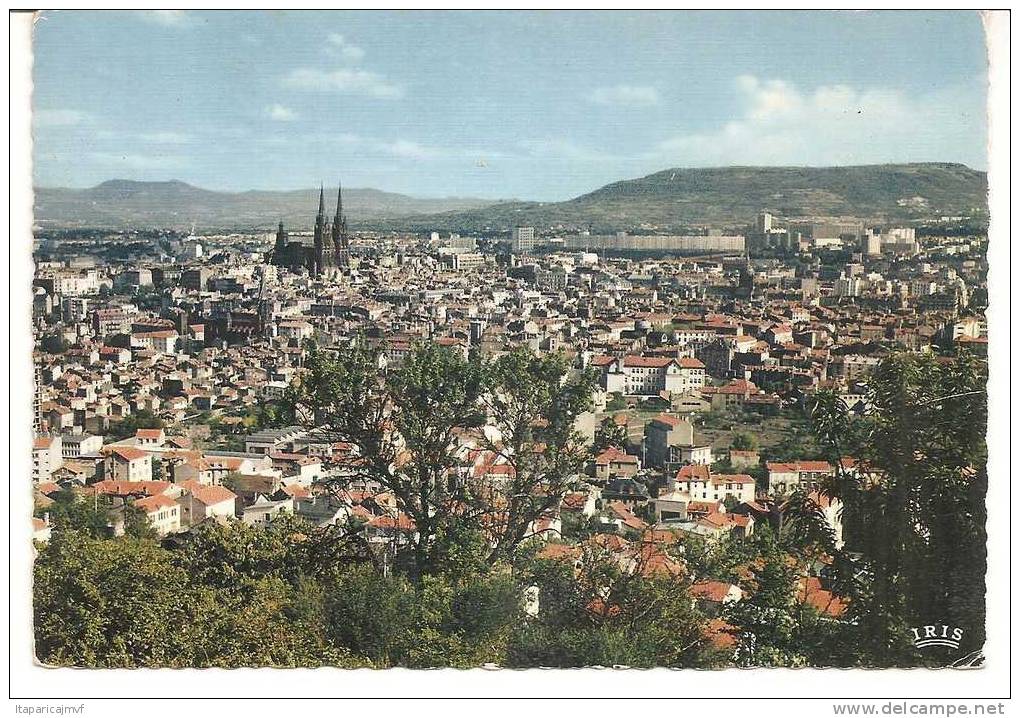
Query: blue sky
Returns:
{"type": "Point", "coordinates": [535, 105]}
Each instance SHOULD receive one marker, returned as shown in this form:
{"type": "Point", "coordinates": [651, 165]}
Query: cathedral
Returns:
{"type": "Point", "coordinates": [330, 248]}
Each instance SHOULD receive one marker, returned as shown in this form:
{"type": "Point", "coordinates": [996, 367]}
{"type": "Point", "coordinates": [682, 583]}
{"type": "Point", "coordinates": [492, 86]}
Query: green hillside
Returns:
{"type": "Point", "coordinates": [680, 198]}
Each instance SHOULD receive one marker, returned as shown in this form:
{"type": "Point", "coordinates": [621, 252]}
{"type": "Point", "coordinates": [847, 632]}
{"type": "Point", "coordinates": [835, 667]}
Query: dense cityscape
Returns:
{"type": "Point", "coordinates": [526, 447]}
{"type": "Point", "coordinates": [520, 339]}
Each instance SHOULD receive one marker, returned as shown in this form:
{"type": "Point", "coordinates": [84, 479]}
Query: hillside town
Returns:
{"type": "Point", "coordinates": [158, 354]}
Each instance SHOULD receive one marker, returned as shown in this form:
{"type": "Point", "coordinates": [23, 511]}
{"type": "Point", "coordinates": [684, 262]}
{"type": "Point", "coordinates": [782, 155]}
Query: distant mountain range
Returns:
{"type": "Point", "coordinates": [178, 205]}
{"type": "Point", "coordinates": [670, 200]}
{"type": "Point", "coordinates": [682, 198]}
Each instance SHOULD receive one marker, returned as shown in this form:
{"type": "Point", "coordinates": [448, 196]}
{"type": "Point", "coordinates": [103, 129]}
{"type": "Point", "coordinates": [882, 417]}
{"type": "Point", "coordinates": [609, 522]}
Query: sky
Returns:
{"type": "Point", "coordinates": [528, 105]}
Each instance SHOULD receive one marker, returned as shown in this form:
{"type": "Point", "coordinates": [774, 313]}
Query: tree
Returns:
{"type": "Point", "coordinates": [54, 344]}
{"type": "Point", "coordinates": [606, 616]}
{"type": "Point", "coordinates": [433, 624]}
{"type": "Point", "coordinates": [742, 441]}
{"type": "Point", "coordinates": [71, 512]}
{"type": "Point", "coordinates": [270, 415]}
{"type": "Point", "coordinates": [766, 618]}
{"type": "Point", "coordinates": [136, 523]}
{"type": "Point", "coordinates": [403, 424]}
{"type": "Point", "coordinates": [108, 604]}
{"type": "Point", "coordinates": [616, 402]}
{"type": "Point", "coordinates": [231, 596]}
{"type": "Point", "coordinates": [609, 434]}
{"type": "Point", "coordinates": [913, 503]}
{"type": "Point", "coordinates": [533, 404]}
{"type": "Point", "coordinates": [129, 425]}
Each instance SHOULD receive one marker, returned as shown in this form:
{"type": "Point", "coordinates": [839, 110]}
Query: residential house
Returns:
{"type": "Point", "coordinates": [626, 490]}
{"type": "Point", "coordinates": [47, 457]}
{"type": "Point", "coordinates": [162, 511]}
{"type": "Point", "coordinates": [662, 433]}
{"type": "Point", "coordinates": [126, 463]}
{"type": "Point", "coordinates": [74, 445]}
{"type": "Point", "coordinates": [701, 484]}
{"type": "Point", "coordinates": [670, 505]}
{"type": "Point", "coordinates": [786, 476]}
{"type": "Point", "coordinates": [263, 510]}
{"type": "Point", "coordinates": [615, 462]}
{"type": "Point", "coordinates": [744, 459]}
{"type": "Point", "coordinates": [201, 501]}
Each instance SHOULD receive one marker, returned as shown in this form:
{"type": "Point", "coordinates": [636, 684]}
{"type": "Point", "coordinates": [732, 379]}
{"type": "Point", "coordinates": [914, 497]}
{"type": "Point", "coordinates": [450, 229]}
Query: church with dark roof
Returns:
{"type": "Point", "coordinates": [330, 248]}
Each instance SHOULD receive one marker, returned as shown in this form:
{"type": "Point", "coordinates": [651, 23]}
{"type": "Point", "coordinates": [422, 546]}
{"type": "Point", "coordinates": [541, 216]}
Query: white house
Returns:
{"type": "Point", "coordinates": [201, 502]}
{"type": "Point", "coordinates": [264, 510]}
{"type": "Point", "coordinates": [47, 457]}
{"type": "Point", "coordinates": [701, 484]}
{"type": "Point", "coordinates": [126, 463]}
{"type": "Point", "coordinates": [163, 513]}
{"type": "Point", "coordinates": [786, 476]}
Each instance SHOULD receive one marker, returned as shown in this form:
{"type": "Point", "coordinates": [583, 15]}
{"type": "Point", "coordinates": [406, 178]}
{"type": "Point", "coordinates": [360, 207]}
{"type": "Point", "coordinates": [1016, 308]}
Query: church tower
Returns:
{"type": "Point", "coordinates": [281, 242]}
{"type": "Point", "coordinates": [340, 241]}
{"type": "Point", "coordinates": [320, 230]}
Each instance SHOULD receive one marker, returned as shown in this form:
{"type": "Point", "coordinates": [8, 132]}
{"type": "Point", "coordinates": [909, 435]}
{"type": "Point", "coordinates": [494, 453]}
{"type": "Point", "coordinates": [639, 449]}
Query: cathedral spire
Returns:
{"type": "Point", "coordinates": [322, 201]}
{"type": "Point", "coordinates": [339, 202]}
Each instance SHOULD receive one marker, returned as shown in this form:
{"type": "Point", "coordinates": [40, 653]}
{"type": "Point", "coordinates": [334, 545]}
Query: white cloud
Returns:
{"type": "Point", "coordinates": [59, 118]}
{"type": "Point", "coordinates": [169, 18]}
{"type": "Point", "coordinates": [281, 113]}
{"type": "Point", "coordinates": [165, 138]}
{"type": "Point", "coordinates": [345, 49]}
{"type": "Point", "coordinates": [780, 123]}
{"type": "Point", "coordinates": [358, 82]}
{"type": "Point", "coordinates": [625, 95]}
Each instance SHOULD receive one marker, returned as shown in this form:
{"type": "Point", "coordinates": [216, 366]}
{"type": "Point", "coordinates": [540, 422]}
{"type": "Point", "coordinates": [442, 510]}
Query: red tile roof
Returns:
{"type": "Point", "coordinates": [127, 453]}
{"type": "Point", "coordinates": [693, 472]}
{"type": "Point", "coordinates": [130, 488]}
{"type": "Point", "coordinates": [210, 495]}
{"type": "Point", "coordinates": [152, 504]}
{"type": "Point", "coordinates": [647, 362]}
{"type": "Point", "coordinates": [614, 455]}
{"type": "Point", "coordinates": [714, 591]}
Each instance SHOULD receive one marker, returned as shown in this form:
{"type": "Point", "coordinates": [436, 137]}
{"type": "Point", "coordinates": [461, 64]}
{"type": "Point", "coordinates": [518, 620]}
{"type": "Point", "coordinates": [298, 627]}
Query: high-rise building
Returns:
{"type": "Point", "coordinates": [522, 240]}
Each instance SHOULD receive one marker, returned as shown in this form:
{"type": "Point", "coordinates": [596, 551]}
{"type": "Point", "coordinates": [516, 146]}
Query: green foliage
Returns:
{"type": "Point", "coordinates": [109, 604]}
{"type": "Point", "coordinates": [609, 434]}
{"type": "Point", "coordinates": [913, 506]}
{"type": "Point", "coordinates": [742, 441]}
{"type": "Point", "coordinates": [405, 423]}
{"type": "Point", "coordinates": [230, 598]}
{"type": "Point", "coordinates": [767, 616]}
{"type": "Point", "coordinates": [129, 425]}
{"type": "Point", "coordinates": [234, 595]}
{"type": "Point", "coordinates": [606, 617]}
{"type": "Point", "coordinates": [533, 402]}
{"type": "Point", "coordinates": [71, 512]}
{"type": "Point", "coordinates": [54, 344]}
{"type": "Point", "coordinates": [392, 621]}
{"type": "Point", "coordinates": [616, 402]}
{"type": "Point", "coordinates": [136, 523]}
{"type": "Point", "coordinates": [577, 527]}
{"type": "Point", "coordinates": [270, 415]}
